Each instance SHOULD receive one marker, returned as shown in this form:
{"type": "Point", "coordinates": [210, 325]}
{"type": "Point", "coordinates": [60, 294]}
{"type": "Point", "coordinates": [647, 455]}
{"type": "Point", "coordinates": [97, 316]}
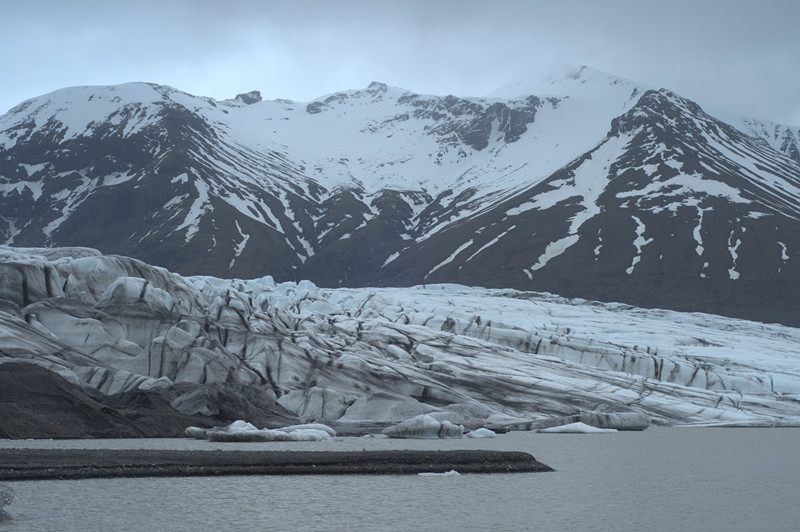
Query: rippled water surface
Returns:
{"type": "Point", "coordinates": [660, 479]}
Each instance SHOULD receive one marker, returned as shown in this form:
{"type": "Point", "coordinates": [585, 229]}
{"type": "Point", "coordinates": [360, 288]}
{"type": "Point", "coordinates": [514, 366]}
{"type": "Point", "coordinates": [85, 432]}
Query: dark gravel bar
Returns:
{"type": "Point", "coordinates": [49, 464]}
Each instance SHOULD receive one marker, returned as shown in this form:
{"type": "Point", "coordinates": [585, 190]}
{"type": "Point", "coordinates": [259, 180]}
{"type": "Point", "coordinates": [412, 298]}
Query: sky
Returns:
{"type": "Point", "coordinates": [738, 56]}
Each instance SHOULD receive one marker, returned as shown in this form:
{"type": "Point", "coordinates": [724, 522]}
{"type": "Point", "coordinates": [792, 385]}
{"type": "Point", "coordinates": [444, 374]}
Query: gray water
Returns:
{"type": "Point", "coordinates": [660, 479]}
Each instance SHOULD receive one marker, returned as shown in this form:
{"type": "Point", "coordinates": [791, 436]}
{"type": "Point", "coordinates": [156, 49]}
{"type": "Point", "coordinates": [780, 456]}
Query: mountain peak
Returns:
{"type": "Point", "coordinates": [377, 86]}
{"type": "Point", "coordinates": [249, 98]}
{"type": "Point", "coordinates": [564, 81]}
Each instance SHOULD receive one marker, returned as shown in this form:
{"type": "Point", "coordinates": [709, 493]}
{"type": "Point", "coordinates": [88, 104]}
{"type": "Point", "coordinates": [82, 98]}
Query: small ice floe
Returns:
{"type": "Point", "coordinates": [481, 433]}
{"type": "Point", "coordinates": [603, 420]}
{"type": "Point", "coordinates": [575, 428]}
{"type": "Point", "coordinates": [424, 427]}
{"type": "Point", "coordinates": [7, 496]}
{"type": "Point", "coordinates": [242, 431]}
{"type": "Point", "coordinates": [451, 473]}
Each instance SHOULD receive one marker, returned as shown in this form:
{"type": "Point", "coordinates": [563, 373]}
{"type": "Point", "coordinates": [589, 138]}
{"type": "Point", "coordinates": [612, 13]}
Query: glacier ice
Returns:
{"type": "Point", "coordinates": [361, 360]}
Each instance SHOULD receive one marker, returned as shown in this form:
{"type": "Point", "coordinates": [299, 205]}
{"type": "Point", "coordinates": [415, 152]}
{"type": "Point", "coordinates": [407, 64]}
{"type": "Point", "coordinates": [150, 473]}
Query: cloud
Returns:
{"type": "Point", "coordinates": [733, 53]}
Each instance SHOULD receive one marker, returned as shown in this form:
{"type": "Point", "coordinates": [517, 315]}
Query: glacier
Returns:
{"type": "Point", "coordinates": [361, 360]}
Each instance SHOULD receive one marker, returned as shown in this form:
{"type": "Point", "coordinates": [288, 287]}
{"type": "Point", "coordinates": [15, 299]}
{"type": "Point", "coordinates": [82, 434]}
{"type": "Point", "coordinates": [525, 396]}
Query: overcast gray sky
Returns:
{"type": "Point", "coordinates": [732, 54]}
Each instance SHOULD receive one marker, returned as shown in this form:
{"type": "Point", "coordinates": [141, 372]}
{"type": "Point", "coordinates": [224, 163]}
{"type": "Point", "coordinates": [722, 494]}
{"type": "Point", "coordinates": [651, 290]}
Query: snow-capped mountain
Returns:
{"type": "Point", "coordinates": [584, 185]}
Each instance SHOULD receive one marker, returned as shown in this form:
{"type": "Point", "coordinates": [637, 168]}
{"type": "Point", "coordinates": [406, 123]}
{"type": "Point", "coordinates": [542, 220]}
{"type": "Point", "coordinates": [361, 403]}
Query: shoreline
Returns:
{"type": "Point", "coordinates": [66, 464]}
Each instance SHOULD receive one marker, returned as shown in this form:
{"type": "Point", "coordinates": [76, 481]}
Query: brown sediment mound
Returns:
{"type": "Point", "coordinates": [40, 464]}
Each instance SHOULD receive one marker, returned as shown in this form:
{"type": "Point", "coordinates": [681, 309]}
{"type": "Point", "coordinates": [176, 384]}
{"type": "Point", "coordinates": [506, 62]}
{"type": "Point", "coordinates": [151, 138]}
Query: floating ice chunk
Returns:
{"type": "Point", "coordinates": [242, 431]}
{"type": "Point", "coordinates": [424, 427]}
{"type": "Point", "coordinates": [602, 420]}
{"type": "Point", "coordinates": [575, 428]}
{"type": "Point", "coordinates": [196, 432]}
{"type": "Point", "coordinates": [309, 435]}
{"type": "Point", "coordinates": [451, 473]}
{"type": "Point", "coordinates": [450, 430]}
{"type": "Point", "coordinates": [480, 433]}
{"type": "Point", "coordinates": [311, 426]}
{"type": "Point", "coordinates": [240, 426]}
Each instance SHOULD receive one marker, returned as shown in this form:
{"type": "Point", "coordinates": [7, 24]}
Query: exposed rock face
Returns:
{"type": "Point", "coordinates": [360, 360]}
{"type": "Point", "coordinates": [249, 98]}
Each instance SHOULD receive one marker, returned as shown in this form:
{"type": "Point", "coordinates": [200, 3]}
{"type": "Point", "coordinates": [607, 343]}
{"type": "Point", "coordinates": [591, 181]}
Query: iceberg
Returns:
{"type": "Point", "coordinates": [601, 420]}
{"type": "Point", "coordinates": [242, 431]}
{"type": "Point", "coordinates": [575, 428]}
{"type": "Point", "coordinates": [451, 473]}
{"type": "Point", "coordinates": [481, 433]}
{"type": "Point", "coordinates": [424, 427]}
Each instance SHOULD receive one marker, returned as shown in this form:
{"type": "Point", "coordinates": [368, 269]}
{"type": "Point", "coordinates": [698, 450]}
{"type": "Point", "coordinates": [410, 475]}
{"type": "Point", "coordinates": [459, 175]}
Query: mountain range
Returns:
{"type": "Point", "coordinates": [584, 185]}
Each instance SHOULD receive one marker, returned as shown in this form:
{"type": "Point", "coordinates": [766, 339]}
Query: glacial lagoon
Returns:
{"type": "Point", "coordinates": [659, 479]}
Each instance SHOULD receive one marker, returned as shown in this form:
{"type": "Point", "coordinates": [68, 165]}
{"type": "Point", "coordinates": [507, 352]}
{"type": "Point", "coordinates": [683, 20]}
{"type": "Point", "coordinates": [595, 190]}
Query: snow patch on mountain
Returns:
{"type": "Point", "coordinates": [732, 249]}
{"type": "Point", "coordinates": [240, 246]}
{"type": "Point", "coordinates": [639, 243]}
{"type": "Point", "coordinates": [587, 183]}
{"type": "Point", "coordinates": [681, 186]}
{"type": "Point", "coordinates": [696, 232]}
{"type": "Point", "coordinates": [491, 243]}
{"type": "Point", "coordinates": [199, 206]}
{"type": "Point", "coordinates": [450, 259]}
